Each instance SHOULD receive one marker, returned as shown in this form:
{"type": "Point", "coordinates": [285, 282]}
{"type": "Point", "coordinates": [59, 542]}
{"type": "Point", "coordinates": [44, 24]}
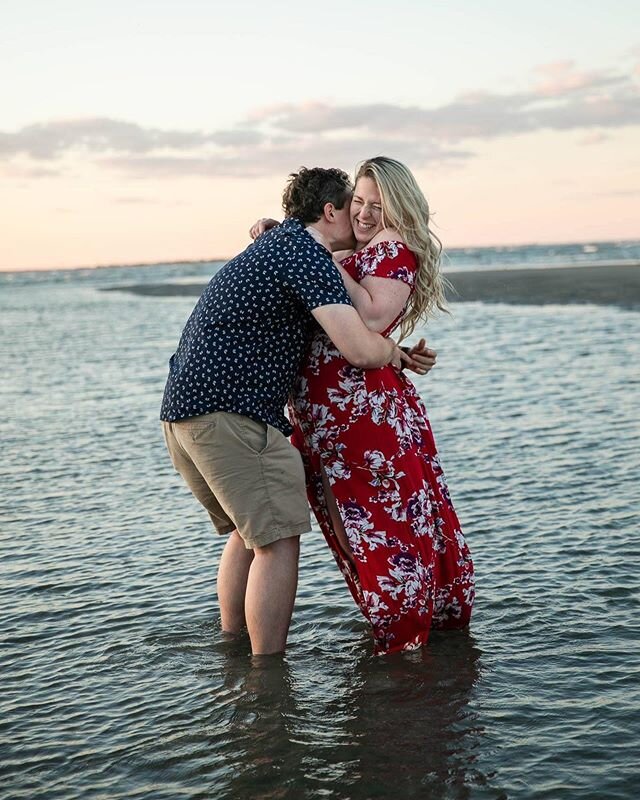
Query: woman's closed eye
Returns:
{"type": "Point", "coordinates": [375, 207]}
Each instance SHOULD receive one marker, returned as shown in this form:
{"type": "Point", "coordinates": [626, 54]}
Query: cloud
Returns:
{"type": "Point", "coordinates": [623, 193]}
{"type": "Point", "coordinates": [28, 171]}
{"type": "Point", "coordinates": [597, 137]}
{"type": "Point", "coordinates": [564, 99]}
{"type": "Point", "coordinates": [276, 160]}
{"type": "Point", "coordinates": [562, 77]}
{"type": "Point", "coordinates": [280, 138]}
{"type": "Point", "coordinates": [51, 139]}
{"type": "Point", "coordinates": [48, 140]}
{"type": "Point", "coordinates": [130, 199]}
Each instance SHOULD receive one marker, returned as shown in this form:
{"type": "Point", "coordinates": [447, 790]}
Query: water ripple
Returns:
{"type": "Point", "coordinates": [117, 681]}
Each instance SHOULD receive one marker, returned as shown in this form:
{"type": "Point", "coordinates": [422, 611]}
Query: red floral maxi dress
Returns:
{"type": "Point", "coordinates": [368, 430]}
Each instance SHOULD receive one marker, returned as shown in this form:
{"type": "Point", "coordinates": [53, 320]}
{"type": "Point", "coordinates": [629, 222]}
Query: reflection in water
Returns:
{"type": "Point", "coordinates": [391, 726]}
{"type": "Point", "coordinates": [263, 758]}
{"type": "Point", "coordinates": [117, 683]}
{"type": "Point", "coordinates": [412, 720]}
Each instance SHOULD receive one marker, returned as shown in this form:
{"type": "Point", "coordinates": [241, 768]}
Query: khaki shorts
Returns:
{"type": "Point", "coordinates": [245, 473]}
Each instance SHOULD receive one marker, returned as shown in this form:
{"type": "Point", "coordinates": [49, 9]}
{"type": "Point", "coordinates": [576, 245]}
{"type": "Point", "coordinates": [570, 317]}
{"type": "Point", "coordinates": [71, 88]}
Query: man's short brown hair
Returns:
{"type": "Point", "coordinates": [309, 190]}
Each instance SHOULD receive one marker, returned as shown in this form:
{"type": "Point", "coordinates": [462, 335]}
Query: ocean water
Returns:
{"type": "Point", "coordinates": [116, 679]}
{"type": "Point", "coordinates": [543, 255]}
{"type": "Point", "coordinates": [468, 258]}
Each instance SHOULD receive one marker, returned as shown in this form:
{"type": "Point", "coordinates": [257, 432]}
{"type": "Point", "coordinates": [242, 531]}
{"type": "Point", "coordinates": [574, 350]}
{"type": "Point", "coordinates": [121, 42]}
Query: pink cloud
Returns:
{"type": "Point", "coordinates": [282, 137]}
{"type": "Point", "coordinates": [562, 77]}
{"type": "Point", "coordinates": [597, 137]}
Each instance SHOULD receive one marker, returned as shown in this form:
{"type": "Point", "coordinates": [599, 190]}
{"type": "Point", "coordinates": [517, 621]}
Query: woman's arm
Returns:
{"type": "Point", "coordinates": [385, 299]}
{"type": "Point", "coordinates": [377, 300]}
{"type": "Point", "coordinates": [420, 358]}
{"type": "Point", "coordinates": [262, 225]}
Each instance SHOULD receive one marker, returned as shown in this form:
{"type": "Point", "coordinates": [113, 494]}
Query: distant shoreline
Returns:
{"type": "Point", "coordinates": [580, 253]}
{"type": "Point", "coordinates": [604, 284]}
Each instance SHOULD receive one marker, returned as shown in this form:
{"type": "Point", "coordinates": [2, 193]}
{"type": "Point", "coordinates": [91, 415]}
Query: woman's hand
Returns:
{"type": "Point", "coordinates": [262, 225]}
{"type": "Point", "coordinates": [419, 358]}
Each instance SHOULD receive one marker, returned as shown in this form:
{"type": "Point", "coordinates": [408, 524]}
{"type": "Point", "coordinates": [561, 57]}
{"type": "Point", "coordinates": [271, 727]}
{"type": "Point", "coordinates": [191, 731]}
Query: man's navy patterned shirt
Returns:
{"type": "Point", "coordinates": [243, 345]}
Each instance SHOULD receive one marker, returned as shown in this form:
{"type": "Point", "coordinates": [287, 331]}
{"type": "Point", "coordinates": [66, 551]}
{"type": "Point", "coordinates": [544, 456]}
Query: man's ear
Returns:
{"type": "Point", "coordinates": [329, 211]}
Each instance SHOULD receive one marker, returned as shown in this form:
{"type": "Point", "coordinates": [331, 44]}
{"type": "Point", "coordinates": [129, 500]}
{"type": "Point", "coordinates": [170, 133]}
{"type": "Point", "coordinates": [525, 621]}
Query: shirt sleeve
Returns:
{"type": "Point", "coordinates": [312, 277]}
{"type": "Point", "coordinates": [388, 260]}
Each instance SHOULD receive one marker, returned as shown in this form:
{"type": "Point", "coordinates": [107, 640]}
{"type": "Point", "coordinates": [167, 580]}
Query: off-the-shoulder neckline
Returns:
{"type": "Point", "coordinates": [384, 241]}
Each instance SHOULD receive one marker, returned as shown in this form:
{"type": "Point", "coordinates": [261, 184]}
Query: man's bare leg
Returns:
{"type": "Point", "coordinates": [271, 592]}
{"type": "Point", "coordinates": [233, 572]}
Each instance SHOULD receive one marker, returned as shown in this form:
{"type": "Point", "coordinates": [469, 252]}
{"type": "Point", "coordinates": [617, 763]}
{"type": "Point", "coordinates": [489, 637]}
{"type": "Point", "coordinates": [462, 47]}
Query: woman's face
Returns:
{"type": "Point", "coordinates": [366, 211]}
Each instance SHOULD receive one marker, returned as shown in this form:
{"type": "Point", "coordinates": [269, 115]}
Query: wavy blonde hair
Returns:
{"type": "Point", "coordinates": [405, 209]}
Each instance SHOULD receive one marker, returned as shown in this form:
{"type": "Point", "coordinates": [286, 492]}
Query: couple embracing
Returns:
{"type": "Point", "coordinates": [304, 317]}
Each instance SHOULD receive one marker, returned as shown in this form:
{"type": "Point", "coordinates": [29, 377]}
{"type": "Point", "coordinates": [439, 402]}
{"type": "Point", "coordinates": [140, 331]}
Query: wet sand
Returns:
{"type": "Point", "coordinates": [606, 284]}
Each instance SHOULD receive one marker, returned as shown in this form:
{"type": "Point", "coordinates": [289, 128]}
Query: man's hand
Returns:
{"type": "Point", "coordinates": [419, 358]}
{"type": "Point", "coordinates": [262, 225]}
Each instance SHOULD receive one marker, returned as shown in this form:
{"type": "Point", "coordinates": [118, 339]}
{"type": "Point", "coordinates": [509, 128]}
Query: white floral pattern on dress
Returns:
{"type": "Point", "coordinates": [368, 430]}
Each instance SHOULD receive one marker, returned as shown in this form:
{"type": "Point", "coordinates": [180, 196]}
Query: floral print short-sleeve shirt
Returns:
{"type": "Point", "coordinates": [243, 344]}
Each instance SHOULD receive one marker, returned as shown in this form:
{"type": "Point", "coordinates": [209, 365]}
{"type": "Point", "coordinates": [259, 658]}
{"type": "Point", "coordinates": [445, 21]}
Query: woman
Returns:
{"type": "Point", "coordinates": [374, 478]}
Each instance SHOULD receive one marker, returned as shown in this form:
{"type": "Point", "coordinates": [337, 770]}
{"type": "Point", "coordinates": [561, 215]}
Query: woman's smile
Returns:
{"type": "Point", "coordinates": [366, 211]}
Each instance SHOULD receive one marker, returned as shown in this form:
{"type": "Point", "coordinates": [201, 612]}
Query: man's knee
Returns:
{"type": "Point", "coordinates": [289, 546]}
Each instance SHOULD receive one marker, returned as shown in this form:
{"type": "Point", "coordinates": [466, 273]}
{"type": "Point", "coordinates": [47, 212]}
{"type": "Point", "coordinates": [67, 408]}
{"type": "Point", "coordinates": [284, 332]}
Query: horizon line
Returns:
{"type": "Point", "coordinates": [136, 264]}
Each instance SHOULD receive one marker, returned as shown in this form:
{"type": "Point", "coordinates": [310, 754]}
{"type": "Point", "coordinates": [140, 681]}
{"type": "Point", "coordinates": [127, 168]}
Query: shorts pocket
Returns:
{"type": "Point", "coordinates": [256, 435]}
{"type": "Point", "coordinates": [198, 428]}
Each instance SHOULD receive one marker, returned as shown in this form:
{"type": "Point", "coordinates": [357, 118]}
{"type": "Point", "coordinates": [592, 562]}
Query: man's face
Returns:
{"type": "Point", "coordinates": [343, 231]}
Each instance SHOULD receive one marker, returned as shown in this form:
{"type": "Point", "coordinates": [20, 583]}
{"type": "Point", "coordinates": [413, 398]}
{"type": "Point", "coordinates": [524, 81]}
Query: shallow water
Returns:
{"type": "Point", "coordinates": [117, 682]}
{"type": "Point", "coordinates": [538, 256]}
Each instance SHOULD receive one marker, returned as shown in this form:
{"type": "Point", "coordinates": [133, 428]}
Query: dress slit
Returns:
{"type": "Point", "coordinates": [369, 433]}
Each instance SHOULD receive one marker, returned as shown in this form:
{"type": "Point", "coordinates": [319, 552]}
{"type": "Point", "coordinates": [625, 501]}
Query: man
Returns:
{"type": "Point", "coordinates": [223, 406]}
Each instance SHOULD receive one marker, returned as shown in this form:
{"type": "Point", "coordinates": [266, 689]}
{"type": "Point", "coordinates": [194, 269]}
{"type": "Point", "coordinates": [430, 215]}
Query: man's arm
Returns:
{"type": "Point", "coordinates": [360, 346]}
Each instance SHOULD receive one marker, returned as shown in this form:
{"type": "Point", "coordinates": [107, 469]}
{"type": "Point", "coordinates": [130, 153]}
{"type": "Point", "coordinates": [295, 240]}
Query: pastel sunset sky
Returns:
{"type": "Point", "coordinates": [147, 131]}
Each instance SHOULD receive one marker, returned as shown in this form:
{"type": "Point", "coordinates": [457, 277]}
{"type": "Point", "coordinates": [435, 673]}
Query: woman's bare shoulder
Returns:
{"type": "Point", "coordinates": [386, 235]}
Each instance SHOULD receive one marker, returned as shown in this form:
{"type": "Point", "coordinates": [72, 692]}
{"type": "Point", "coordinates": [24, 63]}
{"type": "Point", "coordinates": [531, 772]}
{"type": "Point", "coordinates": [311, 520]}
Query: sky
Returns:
{"type": "Point", "coordinates": [136, 132]}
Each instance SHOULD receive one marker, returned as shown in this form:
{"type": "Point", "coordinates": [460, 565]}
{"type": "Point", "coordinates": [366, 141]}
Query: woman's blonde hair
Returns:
{"type": "Point", "coordinates": [405, 209]}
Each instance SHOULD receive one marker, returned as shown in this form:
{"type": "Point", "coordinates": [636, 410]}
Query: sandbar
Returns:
{"type": "Point", "coordinates": [603, 284]}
